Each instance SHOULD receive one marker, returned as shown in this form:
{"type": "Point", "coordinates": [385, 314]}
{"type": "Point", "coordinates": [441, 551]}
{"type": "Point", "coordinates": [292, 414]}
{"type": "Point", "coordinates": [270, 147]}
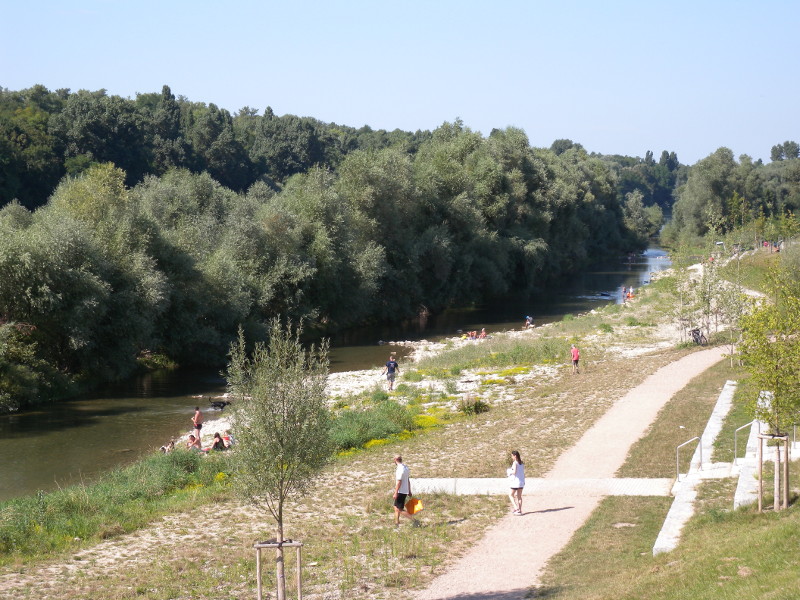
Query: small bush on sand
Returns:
{"type": "Point", "coordinates": [472, 406]}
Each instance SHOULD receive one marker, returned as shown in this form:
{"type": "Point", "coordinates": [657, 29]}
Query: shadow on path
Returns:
{"type": "Point", "coordinates": [547, 510]}
{"type": "Point", "coordinates": [520, 594]}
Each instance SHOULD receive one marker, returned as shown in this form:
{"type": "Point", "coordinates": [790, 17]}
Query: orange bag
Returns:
{"type": "Point", "coordinates": [413, 506]}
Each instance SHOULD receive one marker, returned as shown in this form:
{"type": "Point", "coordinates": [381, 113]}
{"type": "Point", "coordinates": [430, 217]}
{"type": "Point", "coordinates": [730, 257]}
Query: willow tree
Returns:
{"type": "Point", "coordinates": [281, 421]}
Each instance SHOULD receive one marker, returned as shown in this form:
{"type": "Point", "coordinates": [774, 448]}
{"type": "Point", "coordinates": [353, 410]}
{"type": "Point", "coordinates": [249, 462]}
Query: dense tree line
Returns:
{"type": "Point", "coordinates": [106, 272]}
{"type": "Point", "coordinates": [721, 194]}
{"type": "Point", "coordinates": [156, 225]}
{"type": "Point", "coordinates": [45, 135]}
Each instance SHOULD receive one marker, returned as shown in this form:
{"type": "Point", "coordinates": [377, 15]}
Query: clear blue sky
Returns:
{"type": "Point", "coordinates": [619, 77]}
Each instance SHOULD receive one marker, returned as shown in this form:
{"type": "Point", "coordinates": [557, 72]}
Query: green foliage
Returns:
{"type": "Point", "coordinates": [282, 420]}
{"type": "Point", "coordinates": [354, 428]}
{"type": "Point", "coordinates": [634, 322]}
{"type": "Point", "coordinates": [180, 222]}
{"type": "Point", "coordinates": [413, 376]}
{"type": "Point", "coordinates": [378, 396]}
{"type": "Point", "coordinates": [605, 328]}
{"type": "Point", "coordinates": [25, 378]}
{"type": "Point", "coordinates": [721, 195]}
{"type": "Point", "coordinates": [153, 362]}
{"type": "Point", "coordinates": [472, 406]}
{"type": "Point", "coordinates": [121, 501]}
{"type": "Point", "coordinates": [497, 352]}
{"type": "Point", "coordinates": [770, 349]}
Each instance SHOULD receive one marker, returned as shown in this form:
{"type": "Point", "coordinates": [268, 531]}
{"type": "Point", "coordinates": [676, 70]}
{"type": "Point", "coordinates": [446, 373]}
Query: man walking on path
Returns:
{"type": "Point", "coordinates": [391, 369]}
{"type": "Point", "coordinates": [576, 356]}
{"type": "Point", "coordinates": [402, 490]}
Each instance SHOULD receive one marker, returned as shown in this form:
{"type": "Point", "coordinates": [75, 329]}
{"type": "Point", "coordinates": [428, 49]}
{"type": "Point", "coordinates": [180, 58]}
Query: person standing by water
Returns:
{"type": "Point", "coordinates": [516, 476]}
{"type": "Point", "coordinates": [197, 421]}
{"type": "Point", "coordinates": [576, 356]}
{"type": "Point", "coordinates": [402, 490]}
{"type": "Point", "coordinates": [391, 369]}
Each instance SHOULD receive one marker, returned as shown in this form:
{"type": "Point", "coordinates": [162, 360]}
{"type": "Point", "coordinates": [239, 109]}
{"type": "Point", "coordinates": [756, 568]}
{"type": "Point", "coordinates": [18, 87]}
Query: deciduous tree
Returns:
{"type": "Point", "coordinates": [282, 421]}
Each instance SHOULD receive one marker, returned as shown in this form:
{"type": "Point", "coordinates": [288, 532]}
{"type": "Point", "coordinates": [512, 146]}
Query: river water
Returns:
{"type": "Point", "coordinates": [74, 441]}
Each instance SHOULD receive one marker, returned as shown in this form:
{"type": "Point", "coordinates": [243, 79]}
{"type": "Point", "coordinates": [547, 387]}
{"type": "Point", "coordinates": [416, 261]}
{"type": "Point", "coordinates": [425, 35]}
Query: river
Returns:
{"type": "Point", "coordinates": [74, 441]}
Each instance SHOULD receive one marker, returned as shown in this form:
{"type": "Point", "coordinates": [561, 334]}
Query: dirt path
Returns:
{"type": "Point", "coordinates": [512, 554]}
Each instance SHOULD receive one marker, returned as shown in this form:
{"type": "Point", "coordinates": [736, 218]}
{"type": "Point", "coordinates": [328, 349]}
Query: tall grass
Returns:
{"type": "Point", "coordinates": [501, 351]}
{"type": "Point", "coordinates": [354, 428]}
{"type": "Point", "coordinates": [123, 500]}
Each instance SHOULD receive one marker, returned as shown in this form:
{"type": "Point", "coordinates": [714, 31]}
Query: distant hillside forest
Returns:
{"type": "Point", "coordinates": [147, 230]}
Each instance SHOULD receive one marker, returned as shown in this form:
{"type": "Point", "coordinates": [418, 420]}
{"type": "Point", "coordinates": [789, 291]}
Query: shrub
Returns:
{"type": "Point", "coordinates": [353, 428]}
{"type": "Point", "coordinates": [413, 395]}
{"type": "Point", "coordinates": [634, 322]}
{"type": "Point", "coordinates": [413, 376]}
{"type": "Point", "coordinates": [379, 396]}
{"type": "Point", "coordinates": [472, 406]}
{"type": "Point", "coordinates": [606, 328]}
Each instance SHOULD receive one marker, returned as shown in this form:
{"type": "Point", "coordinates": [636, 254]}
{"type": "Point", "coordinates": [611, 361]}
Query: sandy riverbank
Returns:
{"type": "Point", "coordinates": [352, 383]}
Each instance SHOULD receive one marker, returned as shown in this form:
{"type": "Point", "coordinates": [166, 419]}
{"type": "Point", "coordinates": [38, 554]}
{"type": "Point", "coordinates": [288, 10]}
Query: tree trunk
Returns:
{"type": "Point", "coordinates": [760, 473]}
{"type": "Point", "coordinates": [281, 574]}
{"type": "Point", "coordinates": [776, 503]}
{"type": "Point", "coordinates": [786, 472]}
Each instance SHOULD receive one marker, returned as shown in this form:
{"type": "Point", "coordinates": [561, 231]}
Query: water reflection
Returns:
{"type": "Point", "coordinates": [70, 442]}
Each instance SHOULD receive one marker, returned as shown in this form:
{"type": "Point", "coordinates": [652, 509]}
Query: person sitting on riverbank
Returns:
{"type": "Point", "coordinates": [168, 447]}
{"type": "Point", "coordinates": [193, 443]}
{"type": "Point", "coordinates": [228, 438]}
{"type": "Point", "coordinates": [218, 443]}
{"type": "Point", "coordinates": [483, 333]}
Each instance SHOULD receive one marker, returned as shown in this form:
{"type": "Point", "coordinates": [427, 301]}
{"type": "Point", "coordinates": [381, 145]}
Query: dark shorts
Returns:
{"type": "Point", "coordinates": [390, 376]}
{"type": "Point", "coordinates": [575, 361]}
{"type": "Point", "coordinates": [198, 426]}
{"type": "Point", "coordinates": [400, 501]}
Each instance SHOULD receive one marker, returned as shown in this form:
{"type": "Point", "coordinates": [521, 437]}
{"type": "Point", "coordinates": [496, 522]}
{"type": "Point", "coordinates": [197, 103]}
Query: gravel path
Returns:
{"type": "Point", "coordinates": [507, 562]}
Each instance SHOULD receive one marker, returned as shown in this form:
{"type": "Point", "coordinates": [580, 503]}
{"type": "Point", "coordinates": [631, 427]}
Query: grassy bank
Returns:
{"type": "Point", "coordinates": [122, 501]}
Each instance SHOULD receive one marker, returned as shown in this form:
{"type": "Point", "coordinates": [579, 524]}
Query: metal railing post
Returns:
{"type": "Point", "coordinates": [677, 457]}
{"type": "Point", "coordinates": [735, 447]}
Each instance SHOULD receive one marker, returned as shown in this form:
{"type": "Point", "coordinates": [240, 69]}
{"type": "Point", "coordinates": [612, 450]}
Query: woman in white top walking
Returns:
{"type": "Point", "coordinates": [516, 475]}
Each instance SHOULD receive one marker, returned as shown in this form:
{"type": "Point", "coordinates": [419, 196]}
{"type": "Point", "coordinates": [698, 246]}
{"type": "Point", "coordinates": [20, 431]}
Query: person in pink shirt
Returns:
{"type": "Point", "coordinates": [576, 356]}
